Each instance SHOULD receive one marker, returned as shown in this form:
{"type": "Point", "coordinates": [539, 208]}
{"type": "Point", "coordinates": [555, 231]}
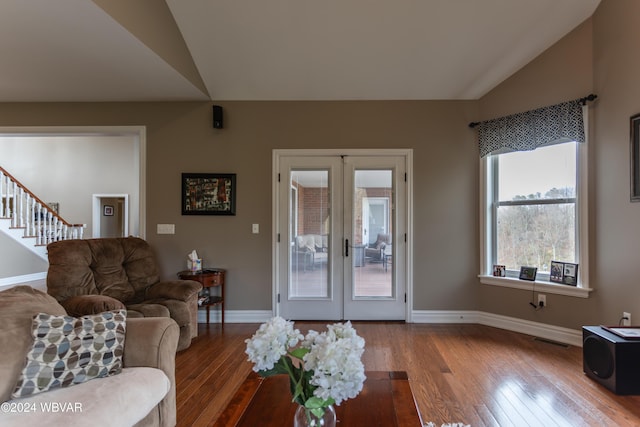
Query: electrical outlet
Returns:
{"type": "Point", "coordinates": [626, 319]}
{"type": "Point", "coordinates": [542, 300]}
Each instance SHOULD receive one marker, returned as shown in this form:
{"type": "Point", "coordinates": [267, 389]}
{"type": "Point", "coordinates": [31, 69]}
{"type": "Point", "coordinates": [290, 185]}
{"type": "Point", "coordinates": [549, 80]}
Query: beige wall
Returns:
{"type": "Point", "coordinates": [596, 57]}
{"type": "Point", "coordinates": [616, 266]}
{"type": "Point", "coordinates": [180, 138]}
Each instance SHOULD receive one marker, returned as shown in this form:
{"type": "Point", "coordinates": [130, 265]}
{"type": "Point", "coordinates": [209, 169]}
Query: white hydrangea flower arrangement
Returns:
{"type": "Point", "coordinates": [324, 368]}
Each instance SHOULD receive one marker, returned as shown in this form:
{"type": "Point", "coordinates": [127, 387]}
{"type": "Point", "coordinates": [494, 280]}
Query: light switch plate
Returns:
{"type": "Point", "coordinates": [166, 229]}
{"type": "Point", "coordinates": [255, 228]}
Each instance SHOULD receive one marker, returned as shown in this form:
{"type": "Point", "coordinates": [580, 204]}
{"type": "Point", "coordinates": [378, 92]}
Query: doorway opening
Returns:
{"type": "Point", "coordinates": [110, 215]}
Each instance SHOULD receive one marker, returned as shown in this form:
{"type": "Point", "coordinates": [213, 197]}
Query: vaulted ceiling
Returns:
{"type": "Point", "coordinates": [155, 50]}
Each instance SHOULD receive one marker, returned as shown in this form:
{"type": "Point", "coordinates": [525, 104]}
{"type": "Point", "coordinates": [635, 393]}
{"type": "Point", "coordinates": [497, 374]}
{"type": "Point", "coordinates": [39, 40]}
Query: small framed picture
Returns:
{"type": "Point", "coordinates": [108, 210]}
{"type": "Point", "coordinates": [528, 273]}
{"type": "Point", "coordinates": [570, 274]}
{"type": "Point", "coordinates": [557, 272]}
{"type": "Point", "coordinates": [499, 270]}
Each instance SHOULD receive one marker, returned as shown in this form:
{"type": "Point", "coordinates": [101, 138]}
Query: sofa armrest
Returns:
{"type": "Point", "coordinates": [182, 290]}
{"type": "Point", "coordinates": [152, 342]}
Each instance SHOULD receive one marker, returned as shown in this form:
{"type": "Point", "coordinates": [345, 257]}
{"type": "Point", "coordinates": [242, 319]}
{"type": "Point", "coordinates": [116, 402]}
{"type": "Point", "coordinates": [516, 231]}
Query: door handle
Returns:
{"type": "Point", "coordinates": [346, 247]}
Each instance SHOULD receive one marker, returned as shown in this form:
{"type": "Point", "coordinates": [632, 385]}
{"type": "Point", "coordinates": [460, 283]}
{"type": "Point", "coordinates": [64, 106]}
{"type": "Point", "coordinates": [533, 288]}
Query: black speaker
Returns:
{"type": "Point", "coordinates": [611, 360]}
{"type": "Point", "coordinates": [217, 117]}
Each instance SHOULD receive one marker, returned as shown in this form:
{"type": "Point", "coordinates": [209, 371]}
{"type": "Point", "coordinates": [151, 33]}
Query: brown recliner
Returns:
{"type": "Point", "coordinates": [94, 275]}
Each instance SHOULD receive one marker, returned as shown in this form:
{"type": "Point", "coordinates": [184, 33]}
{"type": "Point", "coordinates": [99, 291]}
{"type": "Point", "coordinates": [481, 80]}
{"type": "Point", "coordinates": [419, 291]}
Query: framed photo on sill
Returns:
{"type": "Point", "coordinates": [528, 273]}
{"type": "Point", "coordinates": [208, 194]}
{"type": "Point", "coordinates": [564, 272]}
{"type": "Point", "coordinates": [557, 272]}
{"type": "Point", "coordinates": [570, 274]}
{"type": "Point", "coordinates": [499, 270]}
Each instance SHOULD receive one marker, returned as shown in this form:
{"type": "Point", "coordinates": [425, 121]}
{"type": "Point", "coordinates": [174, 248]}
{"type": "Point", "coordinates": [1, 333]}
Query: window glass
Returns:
{"type": "Point", "coordinates": [535, 208]}
{"type": "Point", "coordinates": [545, 173]}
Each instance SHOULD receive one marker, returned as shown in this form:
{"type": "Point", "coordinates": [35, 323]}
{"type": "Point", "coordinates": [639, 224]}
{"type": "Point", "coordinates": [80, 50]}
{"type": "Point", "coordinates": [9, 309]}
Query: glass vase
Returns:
{"type": "Point", "coordinates": [305, 418]}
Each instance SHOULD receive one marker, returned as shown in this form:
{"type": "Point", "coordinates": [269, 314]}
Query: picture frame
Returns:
{"type": "Point", "coordinates": [564, 272]}
{"type": "Point", "coordinates": [208, 194]}
{"type": "Point", "coordinates": [635, 157]}
{"type": "Point", "coordinates": [499, 270]}
{"type": "Point", "coordinates": [528, 273]}
{"type": "Point", "coordinates": [556, 272]}
{"type": "Point", "coordinates": [107, 210]}
{"type": "Point", "coordinates": [570, 274]}
{"type": "Point", "coordinates": [55, 207]}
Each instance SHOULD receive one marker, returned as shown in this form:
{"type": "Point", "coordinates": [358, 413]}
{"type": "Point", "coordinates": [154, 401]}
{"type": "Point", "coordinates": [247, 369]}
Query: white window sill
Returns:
{"type": "Point", "coordinates": [547, 287]}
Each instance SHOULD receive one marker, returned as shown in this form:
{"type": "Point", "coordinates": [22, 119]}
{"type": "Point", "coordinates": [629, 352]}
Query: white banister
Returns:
{"type": "Point", "coordinates": [26, 211]}
{"type": "Point", "coordinates": [13, 202]}
{"type": "Point", "coordinates": [4, 191]}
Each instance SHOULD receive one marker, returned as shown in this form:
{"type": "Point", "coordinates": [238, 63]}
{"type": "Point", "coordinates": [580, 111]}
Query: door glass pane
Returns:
{"type": "Point", "coordinates": [309, 219]}
{"type": "Point", "coordinates": [372, 247]}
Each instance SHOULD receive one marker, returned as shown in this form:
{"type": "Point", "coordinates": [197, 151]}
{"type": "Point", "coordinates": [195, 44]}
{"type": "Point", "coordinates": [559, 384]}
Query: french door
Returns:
{"type": "Point", "coordinates": [341, 235]}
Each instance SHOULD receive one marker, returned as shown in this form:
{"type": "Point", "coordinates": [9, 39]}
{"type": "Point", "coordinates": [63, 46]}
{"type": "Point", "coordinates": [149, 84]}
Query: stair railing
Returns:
{"type": "Point", "coordinates": [27, 211]}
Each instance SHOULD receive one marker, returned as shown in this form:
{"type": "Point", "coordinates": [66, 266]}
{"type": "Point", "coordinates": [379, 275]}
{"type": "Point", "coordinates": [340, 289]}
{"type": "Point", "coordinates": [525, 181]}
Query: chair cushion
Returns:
{"type": "Point", "coordinates": [67, 351]}
{"type": "Point", "coordinates": [17, 308]}
{"type": "Point", "coordinates": [91, 304]}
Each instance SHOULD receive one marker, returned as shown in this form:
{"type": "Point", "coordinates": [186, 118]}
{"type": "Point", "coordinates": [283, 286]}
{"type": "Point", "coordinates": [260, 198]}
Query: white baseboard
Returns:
{"type": "Point", "coordinates": [235, 316]}
{"type": "Point", "coordinates": [35, 280]}
{"type": "Point", "coordinates": [536, 329]}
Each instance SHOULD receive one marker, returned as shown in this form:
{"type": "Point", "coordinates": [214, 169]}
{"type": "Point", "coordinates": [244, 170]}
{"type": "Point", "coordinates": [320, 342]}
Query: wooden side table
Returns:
{"type": "Point", "coordinates": [210, 278]}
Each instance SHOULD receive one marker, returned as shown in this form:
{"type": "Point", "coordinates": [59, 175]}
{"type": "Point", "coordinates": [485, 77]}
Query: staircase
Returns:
{"type": "Point", "coordinates": [28, 220]}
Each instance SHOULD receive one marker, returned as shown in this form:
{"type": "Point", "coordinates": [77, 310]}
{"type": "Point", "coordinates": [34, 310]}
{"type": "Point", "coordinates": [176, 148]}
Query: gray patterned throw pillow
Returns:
{"type": "Point", "coordinates": [69, 350]}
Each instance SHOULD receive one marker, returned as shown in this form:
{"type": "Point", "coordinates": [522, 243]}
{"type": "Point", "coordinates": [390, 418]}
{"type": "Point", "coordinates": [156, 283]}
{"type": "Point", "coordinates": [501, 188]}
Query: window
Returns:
{"type": "Point", "coordinates": [534, 211]}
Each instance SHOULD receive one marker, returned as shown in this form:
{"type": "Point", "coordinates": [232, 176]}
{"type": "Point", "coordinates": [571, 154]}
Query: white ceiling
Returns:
{"type": "Point", "coordinates": [124, 50]}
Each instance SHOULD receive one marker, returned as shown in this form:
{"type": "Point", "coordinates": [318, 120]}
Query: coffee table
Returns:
{"type": "Point", "coordinates": [385, 400]}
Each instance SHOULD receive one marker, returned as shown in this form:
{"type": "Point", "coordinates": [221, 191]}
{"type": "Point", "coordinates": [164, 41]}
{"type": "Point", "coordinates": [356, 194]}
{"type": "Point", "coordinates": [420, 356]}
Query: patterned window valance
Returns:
{"type": "Point", "coordinates": [532, 129]}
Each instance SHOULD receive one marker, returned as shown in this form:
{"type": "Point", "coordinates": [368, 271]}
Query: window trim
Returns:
{"type": "Point", "coordinates": [488, 227]}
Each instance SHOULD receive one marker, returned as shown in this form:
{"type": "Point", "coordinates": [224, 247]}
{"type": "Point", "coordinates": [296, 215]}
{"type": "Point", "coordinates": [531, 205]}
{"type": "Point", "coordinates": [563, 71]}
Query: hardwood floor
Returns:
{"type": "Point", "coordinates": [472, 374]}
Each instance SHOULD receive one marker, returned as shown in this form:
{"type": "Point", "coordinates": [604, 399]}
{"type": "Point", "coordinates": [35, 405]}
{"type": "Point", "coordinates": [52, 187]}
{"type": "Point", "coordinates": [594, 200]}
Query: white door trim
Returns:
{"type": "Point", "coordinates": [279, 153]}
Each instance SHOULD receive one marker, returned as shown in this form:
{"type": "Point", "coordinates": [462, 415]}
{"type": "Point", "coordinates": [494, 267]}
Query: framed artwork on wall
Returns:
{"type": "Point", "coordinates": [208, 194]}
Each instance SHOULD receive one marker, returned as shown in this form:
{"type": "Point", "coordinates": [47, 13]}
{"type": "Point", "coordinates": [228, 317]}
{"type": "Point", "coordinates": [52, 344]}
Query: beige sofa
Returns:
{"type": "Point", "coordinates": [143, 394]}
